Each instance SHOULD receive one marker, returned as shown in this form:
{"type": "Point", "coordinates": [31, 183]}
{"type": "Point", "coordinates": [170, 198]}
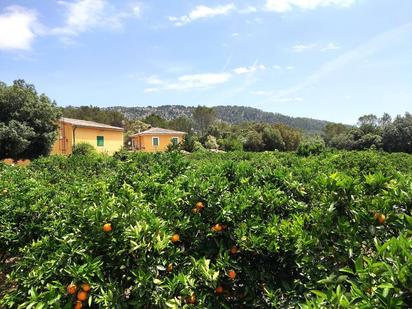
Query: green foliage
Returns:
{"type": "Point", "coordinates": [375, 133]}
{"type": "Point", "coordinates": [230, 144]}
{"type": "Point", "coordinates": [211, 142]}
{"type": "Point", "coordinates": [83, 149]}
{"type": "Point", "coordinates": [28, 121]}
{"type": "Point", "coordinates": [311, 147]}
{"type": "Point", "coordinates": [203, 118]}
{"type": "Point", "coordinates": [155, 121]}
{"type": "Point", "coordinates": [97, 114]}
{"type": "Point", "coordinates": [304, 228]}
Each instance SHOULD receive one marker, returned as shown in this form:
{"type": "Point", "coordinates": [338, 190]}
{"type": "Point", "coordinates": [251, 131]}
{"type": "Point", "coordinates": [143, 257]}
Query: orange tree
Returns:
{"type": "Point", "coordinates": [208, 230]}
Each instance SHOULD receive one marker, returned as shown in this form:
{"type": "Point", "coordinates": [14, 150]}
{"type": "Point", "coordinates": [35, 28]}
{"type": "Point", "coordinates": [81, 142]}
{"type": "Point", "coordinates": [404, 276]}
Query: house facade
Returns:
{"type": "Point", "coordinates": [155, 139]}
{"type": "Point", "coordinates": [102, 137]}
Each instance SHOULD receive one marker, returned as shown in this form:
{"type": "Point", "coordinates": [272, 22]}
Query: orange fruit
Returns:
{"type": "Point", "coordinates": [175, 238]}
{"type": "Point", "coordinates": [219, 290]}
{"type": "Point", "coordinates": [71, 288]}
{"type": "Point", "coordinates": [85, 287]}
{"type": "Point", "coordinates": [195, 210]}
{"type": "Point", "coordinates": [107, 227]}
{"type": "Point", "coordinates": [82, 295]}
{"type": "Point", "coordinates": [191, 299]}
{"type": "Point", "coordinates": [216, 228]}
{"type": "Point", "coordinates": [199, 206]}
{"type": "Point", "coordinates": [169, 268]}
{"type": "Point", "coordinates": [381, 219]}
{"type": "Point", "coordinates": [232, 274]}
{"type": "Point", "coordinates": [233, 250]}
{"type": "Point", "coordinates": [376, 216]}
{"type": "Point", "coordinates": [78, 304]}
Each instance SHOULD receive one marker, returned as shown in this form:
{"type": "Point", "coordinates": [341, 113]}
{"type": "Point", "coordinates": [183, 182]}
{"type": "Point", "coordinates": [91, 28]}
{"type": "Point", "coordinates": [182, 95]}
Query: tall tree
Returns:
{"type": "Point", "coordinates": [94, 113]}
{"type": "Point", "coordinates": [28, 121]}
{"type": "Point", "coordinates": [368, 123]}
{"type": "Point", "coordinates": [333, 129]}
{"type": "Point", "coordinates": [204, 118]}
{"type": "Point", "coordinates": [155, 121]}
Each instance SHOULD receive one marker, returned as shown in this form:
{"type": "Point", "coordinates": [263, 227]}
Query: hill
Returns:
{"type": "Point", "coordinates": [229, 114]}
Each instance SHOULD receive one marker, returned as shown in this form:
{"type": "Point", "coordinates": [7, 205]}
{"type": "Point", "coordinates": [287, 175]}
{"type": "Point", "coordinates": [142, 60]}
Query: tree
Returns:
{"type": "Point", "coordinates": [272, 139]}
{"type": "Point", "coordinates": [254, 141]}
{"type": "Point", "coordinates": [155, 121]}
{"type": "Point", "coordinates": [211, 142]}
{"type": "Point", "coordinates": [94, 113]}
{"type": "Point", "coordinates": [397, 136]}
{"type": "Point", "coordinates": [368, 123]}
{"type": "Point", "coordinates": [28, 121]}
{"type": "Point", "coordinates": [181, 123]}
{"type": "Point", "coordinates": [333, 129]}
{"type": "Point", "coordinates": [291, 137]}
{"type": "Point", "coordinates": [204, 118]}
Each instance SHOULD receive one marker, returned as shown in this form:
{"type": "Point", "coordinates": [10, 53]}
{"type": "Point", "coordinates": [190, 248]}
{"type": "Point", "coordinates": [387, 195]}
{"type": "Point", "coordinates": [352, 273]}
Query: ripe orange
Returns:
{"type": "Point", "coordinates": [71, 288]}
{"type": "Point", "coordinates": [169, 268]}
{"type": "Point", "coordinates": [232, 274]}
{"type": "Point", "coordinates": [216, 228]}
{"type": "Point", "coordinates": [85, 287]}
{"type": "Point", "coordinates": [191, 299]}
{"type": "Point", "coordinates": [234, 250]}
{"type": "Point", "coordinates": [199, 206]}
{"type": "Point", "coordinates": [78, 305]}
{"type": "Point", "coordinates": [82, 295]}
{"type": "Point", "coordinates": [219, 290]}
{"type": "Point", "coordinates": [107, 227]}
{"type": "Point", "coordinates": [175, 238]}
{"type": "Point", "coordinates": [381, 219]}
{"type": "Point", "coordinates": [376, 216]}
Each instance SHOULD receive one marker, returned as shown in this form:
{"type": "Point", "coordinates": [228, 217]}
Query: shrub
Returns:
{"type": "Point", "coordinates": [311, 147]}
{"type": "Point", "coordinates": [83, 149]}
{"type": "Point", "coordinates": [271, 229]}
{"type": "Point", "coordinates": [211, 142]}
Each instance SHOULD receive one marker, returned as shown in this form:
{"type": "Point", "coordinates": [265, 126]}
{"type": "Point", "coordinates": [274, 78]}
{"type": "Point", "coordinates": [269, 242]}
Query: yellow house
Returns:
{"type": "Point", "coordinates": [104, 138]}
{"type": "Point", "coordinates": [155, 139]}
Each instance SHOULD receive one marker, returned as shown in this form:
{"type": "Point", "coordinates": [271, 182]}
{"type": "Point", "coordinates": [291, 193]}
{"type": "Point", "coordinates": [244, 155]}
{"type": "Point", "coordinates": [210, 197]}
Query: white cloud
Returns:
{"type": "Point", "coordinates": [83, 15]}
{"type": "Point", "coordinates": [345, 60]}
{"type": "Point", "coordinates": [330, 46]}
{"type": "Point", "coordinates": [262, 93]}
{"type": "Point", "coordinates": [202, 12]}
{"type": "Point", "coordinates": [250, 69]}
{"type": "Point", "coordinates": [248, 10]}
{"type": "Point", "coordinates": [153, 80]}
{"type": "Point", "coordinates": [298, 48]}
{"type": "Point", "coordinates": [17, 28]}
{"type": "Point", "coordinates": [282, 6]}
{"type": "Point", "coordinates": [194, 81]}
{"type": "Point", "coordinates": [278, 67]}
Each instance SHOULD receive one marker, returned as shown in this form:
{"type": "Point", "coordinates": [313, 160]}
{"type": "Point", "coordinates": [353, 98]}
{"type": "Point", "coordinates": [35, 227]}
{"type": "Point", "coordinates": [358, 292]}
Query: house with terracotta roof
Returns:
{"type": "Point", "coordinates": [102, 137]}
{"type": "Point", "coordinates": [155, 139]}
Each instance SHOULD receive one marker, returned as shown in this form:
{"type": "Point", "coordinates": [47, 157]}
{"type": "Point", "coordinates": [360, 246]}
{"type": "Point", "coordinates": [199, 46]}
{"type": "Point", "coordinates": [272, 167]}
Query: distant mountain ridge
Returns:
{"type": "Point", "coordinates": [229, 113]}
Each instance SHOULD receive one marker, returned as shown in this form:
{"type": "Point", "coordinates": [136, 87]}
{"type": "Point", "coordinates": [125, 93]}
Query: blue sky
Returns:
{"type": "Point", "coordinates": [325, 59]}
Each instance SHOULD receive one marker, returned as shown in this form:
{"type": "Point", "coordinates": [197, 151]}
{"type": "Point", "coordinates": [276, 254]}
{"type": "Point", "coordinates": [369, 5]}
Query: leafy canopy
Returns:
{"type": "Point", "coordinates": [28, 121]}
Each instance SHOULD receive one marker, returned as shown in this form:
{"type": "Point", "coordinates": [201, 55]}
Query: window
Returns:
{"type": "Point", "coordinates": [155, 141]}
{"type": "Point", "coordinates": [100, 141]}
{"type": "Point", "coordinates": [174, 140]}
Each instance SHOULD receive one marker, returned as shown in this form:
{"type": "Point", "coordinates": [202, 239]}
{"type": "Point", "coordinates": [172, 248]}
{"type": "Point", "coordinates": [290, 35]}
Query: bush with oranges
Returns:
{"type": "Point", "coordinates": [228, 230]}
